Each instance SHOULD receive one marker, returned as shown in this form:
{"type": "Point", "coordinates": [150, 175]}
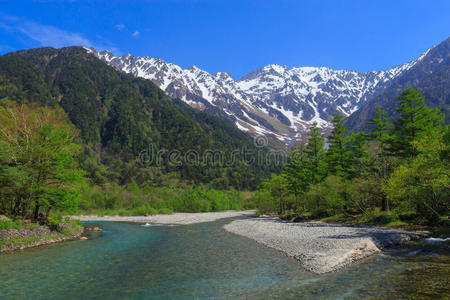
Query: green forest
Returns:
{"type": "Point", "coordinates": [72, 130]}
{"type": "Point", "coordinates": [397, 174]}
{"type": "Point", "coordinates": [117, 116]}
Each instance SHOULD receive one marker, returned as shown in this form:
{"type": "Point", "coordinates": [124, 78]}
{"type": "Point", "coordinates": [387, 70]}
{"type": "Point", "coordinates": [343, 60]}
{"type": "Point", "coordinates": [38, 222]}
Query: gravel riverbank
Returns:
{"type": "Point", "coordinates": [320, 247]}
{"type": "Point", "coordinates": [174, 219]}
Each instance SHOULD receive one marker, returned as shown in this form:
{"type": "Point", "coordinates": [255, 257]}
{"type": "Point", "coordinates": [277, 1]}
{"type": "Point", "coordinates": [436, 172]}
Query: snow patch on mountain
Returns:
{"type": "Point", "coordinates": [274, 100]}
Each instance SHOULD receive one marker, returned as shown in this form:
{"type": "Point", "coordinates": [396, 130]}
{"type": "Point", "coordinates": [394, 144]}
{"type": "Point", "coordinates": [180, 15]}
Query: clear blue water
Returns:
{"type": "Point", "coordinates": [202, 261]}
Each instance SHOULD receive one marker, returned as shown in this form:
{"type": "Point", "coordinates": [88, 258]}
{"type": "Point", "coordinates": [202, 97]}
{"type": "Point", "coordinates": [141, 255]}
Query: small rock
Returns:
{"type": "Point", "coordinates": [83, 238]}
{"type": "Point", "coordinates": [300, 219]}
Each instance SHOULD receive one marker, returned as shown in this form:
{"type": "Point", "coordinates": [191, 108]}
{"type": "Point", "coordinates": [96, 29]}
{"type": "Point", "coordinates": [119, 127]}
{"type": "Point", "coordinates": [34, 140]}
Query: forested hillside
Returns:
{"type": "Point", "coordinates": [118, 116]}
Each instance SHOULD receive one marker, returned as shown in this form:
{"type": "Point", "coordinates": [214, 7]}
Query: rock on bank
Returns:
{"type": "Point", "coordinates": [33, 235]}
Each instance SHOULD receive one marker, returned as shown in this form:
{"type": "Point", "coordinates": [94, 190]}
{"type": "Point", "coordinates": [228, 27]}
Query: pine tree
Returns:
{"type": "Point", "coordinates": [315, 153]}
{"type": "Point", "coordinates": [297, 173]}
{"type": "Point", "coordinates": [415, 120]}
{"type": "Point", "coordinates": [378, 160]}
{"type": "Point", "coordinates": [338, 155]}
{"type": "Point", "coordinates": [380, 125]}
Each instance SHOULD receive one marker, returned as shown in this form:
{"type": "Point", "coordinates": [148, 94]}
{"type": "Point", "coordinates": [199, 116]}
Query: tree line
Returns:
{"type": "Point", "coordinates": [397, 173]}
{"type": "Point", "coordinates": [46, 171]}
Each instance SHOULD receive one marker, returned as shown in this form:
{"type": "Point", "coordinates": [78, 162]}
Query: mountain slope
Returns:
{"type": "Point", "coordinates": [122, 116]}
{"type": "Point", "coordinates": [431, 75]}
{"type": "Point", "coordinates": [274, 101]}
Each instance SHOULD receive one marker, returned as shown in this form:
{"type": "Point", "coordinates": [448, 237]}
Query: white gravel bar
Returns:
{"type": "Point", "coordinates": [320, 247]}
{"type": "Point", "coordinates": [173, 219]}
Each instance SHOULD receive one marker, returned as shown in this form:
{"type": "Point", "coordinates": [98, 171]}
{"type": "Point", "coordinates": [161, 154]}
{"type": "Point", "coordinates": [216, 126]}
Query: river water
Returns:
{"type": "Point", "coordinates": [202, 261]}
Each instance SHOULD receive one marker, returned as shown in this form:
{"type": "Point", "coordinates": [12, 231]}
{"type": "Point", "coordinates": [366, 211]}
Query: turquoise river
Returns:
{"type": "Point", "coordinates": [202, 261]}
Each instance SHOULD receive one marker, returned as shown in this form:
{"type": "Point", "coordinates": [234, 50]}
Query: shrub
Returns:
{"type": "Point", "coordinates": [380, 217]}
{"type": "Point", "coordinates": [165, 211]}
{"type": "Point", "coordinates": [10, 224]}
{"type": "Point", "coordinates": [54, 220]}
{"type": "Point", "coordinates": [151, 211]}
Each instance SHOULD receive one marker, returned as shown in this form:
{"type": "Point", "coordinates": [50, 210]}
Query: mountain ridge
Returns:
{"type": "Point", "coordinates": [274, 100]}
{"type": "Point", "coordinates": [430, 75]}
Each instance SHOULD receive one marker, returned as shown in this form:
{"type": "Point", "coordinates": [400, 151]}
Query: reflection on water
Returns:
{"type": "Point", "coordinates": [128, 261]}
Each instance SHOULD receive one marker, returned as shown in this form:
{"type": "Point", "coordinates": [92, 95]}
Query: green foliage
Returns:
{"type": "Point", "coordinates": [338, 155]}
{"type": "Point", "coordinates": [401, 175]}
{"type": "Point", "coordinates": [423, 184]}
{"type": "Point", "coordinates": [37, 161]}
{"type": "Point", "coordinates": [415, 121]}
{"type": "Point", "coordinates": [328, 197]}
{"type": "Point", "coordinates": [54, 219]}
{"type": "Point", "coordinates": [297, 173]}
{"type": "Point", "coordinates": [315, 155]}
{"type": "Point", "coordinates": [119, 116]}
{"type": "Point", "coordinates": [32, 236]}
{"type": "Point", "coordinates": [274, 195]}
{"type": "Point", "coordinates": [380, 125]}
{"type": "Point", "coordinates": [306, 165]}
{"type": "Point", "coordinates": [165, 211]}
{"type": "Point", "coordinates": [134, 200]}
{"type": "Point", "coordinates": [10, 224]}
{"type": "Point", "coordinates": [381, 218]}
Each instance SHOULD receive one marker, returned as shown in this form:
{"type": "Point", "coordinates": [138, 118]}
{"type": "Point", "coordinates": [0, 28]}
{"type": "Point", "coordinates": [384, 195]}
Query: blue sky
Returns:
{"type": "Point", "coordinates": [235, 36]}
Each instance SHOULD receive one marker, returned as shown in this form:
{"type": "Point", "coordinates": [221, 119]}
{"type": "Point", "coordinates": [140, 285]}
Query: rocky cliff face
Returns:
{"type": "Point", "coordinates": [275, 101]}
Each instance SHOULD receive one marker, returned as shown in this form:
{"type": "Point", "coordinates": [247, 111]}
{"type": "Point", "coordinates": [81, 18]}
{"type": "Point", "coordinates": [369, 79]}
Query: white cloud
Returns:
{"type": "Point", "coordinates": [136, 33]}
{"type": "Point", "coordinates": [52, 36]}
{"type": "Point", "coordinates": [47, 35]}
{"type": "Point", "coordinates": [120, 26]}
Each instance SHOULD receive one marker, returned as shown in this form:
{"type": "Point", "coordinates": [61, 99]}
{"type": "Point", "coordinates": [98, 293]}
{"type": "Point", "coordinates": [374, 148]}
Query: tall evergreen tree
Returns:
{"type": "Point", "coordinates": [379, 163]}
{"type": "Point", "coordinates": [315, 153]}
{"type": "Point", "coordinates": [338, 155]}
{"type": "Point", "coordinates": [380, 125]}
{"type": "Point", "coordinates": [296, 171]}
{"type": "Point", "coordinates": [415, 120]}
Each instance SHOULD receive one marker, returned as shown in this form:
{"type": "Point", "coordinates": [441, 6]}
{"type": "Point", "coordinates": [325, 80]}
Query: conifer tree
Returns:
{"type": "Point", "coordinates": [296, 171]}
{"type": "Point", "coordinates": [380, 125]}
{"type": "Point", "coordinates": [315, 154]}
{"type": "Point", "coordinates": [338, 154]}
{"type": "Point", "coordinates": [415, 120]}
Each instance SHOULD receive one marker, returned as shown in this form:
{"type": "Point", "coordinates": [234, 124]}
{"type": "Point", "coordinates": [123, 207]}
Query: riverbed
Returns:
{"type": "Point", "coordinates": [203, 261]}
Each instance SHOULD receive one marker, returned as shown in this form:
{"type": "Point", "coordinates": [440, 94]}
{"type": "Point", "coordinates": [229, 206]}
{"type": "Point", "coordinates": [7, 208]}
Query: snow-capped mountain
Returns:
{"type": "Point", "coordinates": [275, 101]}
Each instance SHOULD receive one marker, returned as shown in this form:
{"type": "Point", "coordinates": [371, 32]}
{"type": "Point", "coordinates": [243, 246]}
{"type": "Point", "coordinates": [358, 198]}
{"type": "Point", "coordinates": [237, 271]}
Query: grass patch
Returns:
{"type": "Point", "coordinates": [67, 229]}
{"type": "Point", "coordinates": [10, 224]}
